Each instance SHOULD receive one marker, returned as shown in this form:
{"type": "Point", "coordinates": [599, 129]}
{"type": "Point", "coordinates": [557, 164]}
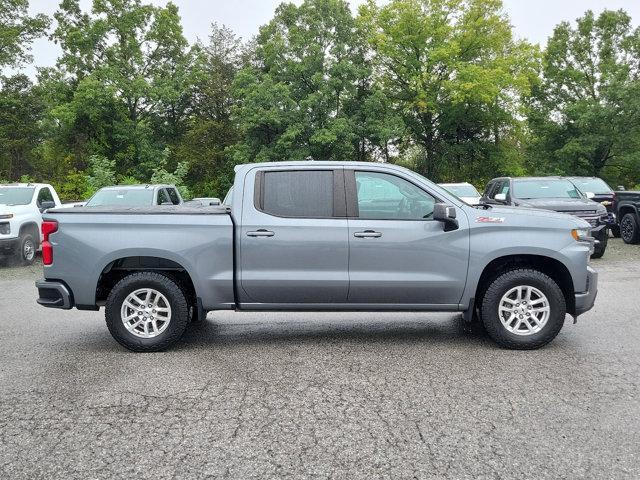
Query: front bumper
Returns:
{"type": "Point", "coordinates": [9, 245]}
{"type": "Point", "coordinates": [54, 295]}
{"type": "Point", "coordinates": [585, 300]}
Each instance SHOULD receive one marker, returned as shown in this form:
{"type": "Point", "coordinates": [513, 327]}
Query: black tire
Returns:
{"type": "Point", "coordinates": [629, 229]}
{"type": "Point", "coordinates": [28, 247]}
{"type": "Point", "coordinates": [505, 282]}
{"type": "Point", "coordinates": [615, 231]}
{"type": "Point", "coordinates": [601, 247]}
{"type": "Point", "coordinates": [179, 311]}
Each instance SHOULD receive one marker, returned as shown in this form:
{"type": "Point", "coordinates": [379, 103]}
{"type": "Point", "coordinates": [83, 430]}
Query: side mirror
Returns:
{"type": "Point", "coordinates": [446, 214]}
{"type": "Point", "coordinates": [500, 197]}
{"type": "Point", "coordinates": [44, 205]}
{"type": "Point", "coordinates": [589, 195]}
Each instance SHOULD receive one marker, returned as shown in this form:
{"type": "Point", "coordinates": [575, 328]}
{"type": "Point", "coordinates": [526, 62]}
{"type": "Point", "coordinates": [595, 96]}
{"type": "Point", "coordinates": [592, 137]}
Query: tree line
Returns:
{"type": "Point", "coordinates": [440, 86]}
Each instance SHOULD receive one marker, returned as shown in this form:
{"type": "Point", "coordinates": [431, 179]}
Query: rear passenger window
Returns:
{"type": "Point", "coordinates": [306, 193]}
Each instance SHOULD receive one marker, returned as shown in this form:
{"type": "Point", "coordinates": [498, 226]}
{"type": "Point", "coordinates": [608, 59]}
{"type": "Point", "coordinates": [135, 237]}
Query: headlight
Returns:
{"type": "Point", "coordinates": [584, 235]}
{"type": "Point", "coordinates": [581, 235]}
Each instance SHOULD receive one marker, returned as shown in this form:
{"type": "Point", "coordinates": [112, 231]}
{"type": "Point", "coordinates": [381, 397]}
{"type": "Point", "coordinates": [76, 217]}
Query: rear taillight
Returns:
{"type": "Point", "coordinates": [48, 227]}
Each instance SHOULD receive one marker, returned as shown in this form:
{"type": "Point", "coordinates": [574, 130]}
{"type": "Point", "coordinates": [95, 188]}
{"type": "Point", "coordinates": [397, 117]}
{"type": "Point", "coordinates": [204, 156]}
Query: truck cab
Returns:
{"type": "Point", "coordinates": [21, 208]}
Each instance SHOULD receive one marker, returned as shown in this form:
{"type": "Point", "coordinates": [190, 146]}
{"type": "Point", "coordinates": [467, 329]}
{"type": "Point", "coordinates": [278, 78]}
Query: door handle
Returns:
{"type": "Point", "coordinates": [260, 233]}
{"type": "Point", "coordinates": [367, 234]}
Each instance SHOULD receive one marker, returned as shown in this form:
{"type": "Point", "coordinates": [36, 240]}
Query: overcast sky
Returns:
{"type": "Point", "coordinates": [531, 19]}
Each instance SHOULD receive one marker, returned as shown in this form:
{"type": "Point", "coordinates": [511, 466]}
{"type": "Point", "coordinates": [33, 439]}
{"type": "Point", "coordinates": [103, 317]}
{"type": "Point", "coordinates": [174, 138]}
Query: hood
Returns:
{"type": "Point", "coordinates": [15, 209]}
{"type": "Point", "coordinates": [567, 205]}
{"type": "Point", "coordinates": [535, 216]}
{"type": "Point", "coordinates": [471, 200]}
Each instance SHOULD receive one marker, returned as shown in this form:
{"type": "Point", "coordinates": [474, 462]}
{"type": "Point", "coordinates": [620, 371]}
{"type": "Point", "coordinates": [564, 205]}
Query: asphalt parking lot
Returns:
{"type": "Point", "coordinates": [385, 395]}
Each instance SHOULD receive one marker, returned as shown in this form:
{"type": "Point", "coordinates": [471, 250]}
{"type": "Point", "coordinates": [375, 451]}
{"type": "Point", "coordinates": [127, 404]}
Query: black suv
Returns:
{"type": "Point", "coordinates": [551, 193]}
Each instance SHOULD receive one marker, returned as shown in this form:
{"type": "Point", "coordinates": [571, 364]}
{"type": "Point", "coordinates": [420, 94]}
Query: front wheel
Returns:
{"type": "Point", "coordinates": [523, 309]}
{"type": "Point", "coordinates": [629, 229]}
{"type": "Point", "coordinates": [601, 247]}
{"type": "Point", "coordinates": [147, 312]}
{"type": "Point", "coordinates": [27, 253]}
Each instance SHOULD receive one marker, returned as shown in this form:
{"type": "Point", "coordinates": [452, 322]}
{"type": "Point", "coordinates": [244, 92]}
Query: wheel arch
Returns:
{"type": "Point", "coordinates": [552, 267]}
{"type": "Point", "coordinates": [31, 227]}
{"type": "Point", "coordinates": [627, 208]}
{"type": "Point", "coordinates": [122, 266]}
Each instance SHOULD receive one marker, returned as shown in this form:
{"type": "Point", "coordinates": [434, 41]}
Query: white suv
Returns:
{"type": "Point", "coordinates": [21, 207]}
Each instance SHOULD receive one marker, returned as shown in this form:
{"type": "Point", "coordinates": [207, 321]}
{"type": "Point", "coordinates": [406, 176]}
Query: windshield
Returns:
{"type": "Point", "coordinates": [547, 188]}
{"type": "Point", "coordinates": [16, 195]}
{"type": "Point", "coordinates": [126, 197]}
{"type": "Point", "coordinates": [462, 190]}
{"type": "Point", "coordinates": [593, 185]}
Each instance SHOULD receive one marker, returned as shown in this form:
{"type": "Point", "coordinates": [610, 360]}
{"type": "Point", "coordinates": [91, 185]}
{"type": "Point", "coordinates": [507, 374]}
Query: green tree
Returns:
{"type": "Point", "coordinates": [455, 74]}
{"type": "Point", "coordinates": [133, 58]}
{"type": "Point", "coordinates": [306, 93]}
{"type": "Point", "coordinates": [585, 111]}
{"type": "Point", "coordinates": [210, 129]}
{"type": "Point", "coordinates": [20, 111]}
{"type": "Point", "coordinates": [17, 31]}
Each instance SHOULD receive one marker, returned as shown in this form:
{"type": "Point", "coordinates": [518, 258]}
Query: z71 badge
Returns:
{"type": "Point", "coordinates": [490, 220]}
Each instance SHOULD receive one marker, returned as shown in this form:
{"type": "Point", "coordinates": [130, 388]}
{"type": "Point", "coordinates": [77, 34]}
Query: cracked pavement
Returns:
{"type": "Point", "coordinates": [320, 395]}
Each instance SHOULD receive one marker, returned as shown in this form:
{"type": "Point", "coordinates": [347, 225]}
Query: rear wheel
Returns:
{"type": "Point", "coordinates": [147, 312]}
{"type": "Point", "coordinates": [523, 309]}
{"type": "Point", "coordinates": [629, 229]}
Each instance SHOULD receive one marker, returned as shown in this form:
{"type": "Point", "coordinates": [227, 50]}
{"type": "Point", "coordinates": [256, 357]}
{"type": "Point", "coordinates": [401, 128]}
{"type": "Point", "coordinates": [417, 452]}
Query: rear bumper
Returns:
{"type": "Point", "coordinates": [54, 295]}
{"type": "Point", "coordinates": [585, 300]}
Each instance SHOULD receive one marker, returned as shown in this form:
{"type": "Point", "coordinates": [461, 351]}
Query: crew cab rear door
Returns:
{"type": "Point", "coordinates": [294, 246]}
{"type": "Point", "coordinates": [398, 254]}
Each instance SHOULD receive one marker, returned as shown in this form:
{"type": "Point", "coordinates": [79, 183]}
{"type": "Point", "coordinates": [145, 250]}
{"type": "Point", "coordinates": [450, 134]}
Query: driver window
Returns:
{"type": "Point", "coordinates": [163, 198]}
{"type": "Point", "coordinates": [44, 196]}
{"type": "Point", "coordinates": [386, 197]}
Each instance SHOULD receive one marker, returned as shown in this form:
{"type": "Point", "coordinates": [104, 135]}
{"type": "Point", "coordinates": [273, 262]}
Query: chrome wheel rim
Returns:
{"type": "Point", "coordinates": [28, 250]}
{"type": "Point", "coordinates": [524, 310]}
{"type": "Point", "coordinates": [146, 313]}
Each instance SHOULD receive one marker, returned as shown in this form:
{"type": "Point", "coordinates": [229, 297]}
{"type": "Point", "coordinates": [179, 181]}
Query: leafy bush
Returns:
{"type": "Point", "coordinates": [177, 177]}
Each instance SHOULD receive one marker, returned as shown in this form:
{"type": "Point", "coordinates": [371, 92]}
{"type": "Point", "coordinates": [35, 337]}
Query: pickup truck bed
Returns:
{"type": "Point", "coordinates": [97, 242]}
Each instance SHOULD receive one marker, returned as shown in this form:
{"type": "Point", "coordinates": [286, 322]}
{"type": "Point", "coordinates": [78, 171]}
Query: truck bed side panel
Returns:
{"type": "Point", "coordinates": [86, 243]}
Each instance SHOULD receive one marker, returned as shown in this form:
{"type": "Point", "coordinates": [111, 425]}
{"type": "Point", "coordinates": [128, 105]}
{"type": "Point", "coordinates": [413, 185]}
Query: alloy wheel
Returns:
{"type": "Point", "coordinates": [524, 310]}
{"type": "Point", "coordinates": [146, 313]}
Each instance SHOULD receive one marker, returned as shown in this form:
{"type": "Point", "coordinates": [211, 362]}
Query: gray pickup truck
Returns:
{"type": "Point", "coordinates": [314, 236]}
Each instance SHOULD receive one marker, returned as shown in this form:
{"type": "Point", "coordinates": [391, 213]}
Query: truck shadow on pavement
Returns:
{"type": "Point", "coordinates": [448, 330]}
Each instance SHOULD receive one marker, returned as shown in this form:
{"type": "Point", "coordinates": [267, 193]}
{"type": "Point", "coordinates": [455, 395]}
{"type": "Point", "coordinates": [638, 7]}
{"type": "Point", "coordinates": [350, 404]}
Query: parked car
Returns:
{"type": "Point", "coordinates": [464, 191]}
{"type": "Point", "coordinates": [599, 191]}
{"type": "Point", "coordinates": [627, 210]}
{"type": "Point", "coordinates": [135, 196]}
{"type": "Point", "coordinates": [341, 236]}
{"type": "Point", "coordinates": [551, 193]}
{"type": "Point", "coordinates": [21, 207]}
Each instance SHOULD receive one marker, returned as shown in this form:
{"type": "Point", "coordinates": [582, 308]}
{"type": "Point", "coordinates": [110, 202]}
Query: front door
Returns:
{"type": "Point", "coordinates": [294, 246]}
{"type": "Point", "coordinates": [398, 253]}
